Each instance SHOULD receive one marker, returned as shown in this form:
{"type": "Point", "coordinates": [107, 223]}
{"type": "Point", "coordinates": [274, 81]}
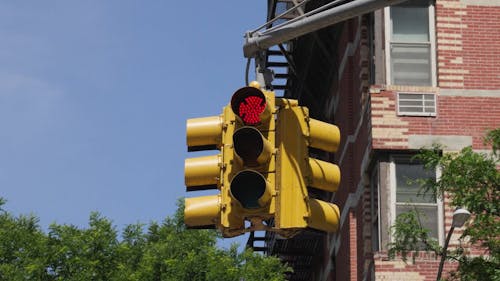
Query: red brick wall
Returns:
{"type": "Point", "coordinates": [466, 61]}
{"type": "Point", "coordinates": [462, 116]}
{"type": "Point", "coordinates": [468, 39]}
{"type": "Point", "coordinates": [468, 104]}
{"type": "Point", "coordinates": [425, 268]}
{"type": "Point", "coordinates": [353, 120]}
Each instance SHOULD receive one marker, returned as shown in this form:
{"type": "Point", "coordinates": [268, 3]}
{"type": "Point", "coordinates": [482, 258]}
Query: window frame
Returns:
{"type": "Point", "coordinates": [389, 42]}
{"type": "Point", "coordinates": [392, 200]}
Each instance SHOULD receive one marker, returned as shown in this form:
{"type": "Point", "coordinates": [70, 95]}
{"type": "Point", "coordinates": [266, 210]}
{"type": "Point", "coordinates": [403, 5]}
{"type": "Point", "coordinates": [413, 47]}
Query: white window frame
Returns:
{"type": "Point", "coordinates": [410, 113]}
{"type": "Point", "coordinates": [432, 41]}
{"type": "Point", "coordinates": [392, 199]}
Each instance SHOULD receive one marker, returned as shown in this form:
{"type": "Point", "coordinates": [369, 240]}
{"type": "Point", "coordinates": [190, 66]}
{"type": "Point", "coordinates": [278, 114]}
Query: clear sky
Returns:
{"type": "Point", "coordinates": [94, 97]}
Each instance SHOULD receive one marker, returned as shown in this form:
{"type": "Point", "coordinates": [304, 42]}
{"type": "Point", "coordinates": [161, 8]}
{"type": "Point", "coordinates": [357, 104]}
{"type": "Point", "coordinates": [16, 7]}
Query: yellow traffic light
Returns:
{"type": "Point", "coordinates": [296, 171]}
{"type": "Point", "coordinates": [243, 171]}
{"type": "Point", "coordinates": [203, 172]}
{"type": "Point", "coordinates": [249, 155]}
{"type": "Point", "coordinates": [263, 168]}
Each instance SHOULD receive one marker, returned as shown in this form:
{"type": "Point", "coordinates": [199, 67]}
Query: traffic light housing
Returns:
{"type": "Point", "coordinates": [201, 173]}
{"type": "Point", "coordinates": [263, 169]}
{"type": "Point", "coordinates": [296, 171]}
{"type": "Point", "coordinates": [243, 171]}
{"type": "Point", "coordinates": [248, 189]}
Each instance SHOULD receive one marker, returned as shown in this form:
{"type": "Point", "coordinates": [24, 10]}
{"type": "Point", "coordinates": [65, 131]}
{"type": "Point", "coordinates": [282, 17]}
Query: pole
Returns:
{"type": "Point", "coordinates": [443, 254]}
{"type": "Point", "coordinates": [262, 41]}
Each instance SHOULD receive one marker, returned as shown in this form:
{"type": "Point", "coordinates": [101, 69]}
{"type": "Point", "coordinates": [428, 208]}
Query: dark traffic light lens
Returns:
{"type": "Point", "coordinates": [248, 144]}
{"type": "Point", "coordinates": [248, 187]}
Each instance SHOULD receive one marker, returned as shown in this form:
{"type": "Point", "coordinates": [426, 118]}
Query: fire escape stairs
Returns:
{"type": "Point", "coordinates": [279, 58]}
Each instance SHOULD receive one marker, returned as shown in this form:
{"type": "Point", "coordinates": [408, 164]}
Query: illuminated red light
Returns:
{"type": "Point", "coordinates": [250, 109]}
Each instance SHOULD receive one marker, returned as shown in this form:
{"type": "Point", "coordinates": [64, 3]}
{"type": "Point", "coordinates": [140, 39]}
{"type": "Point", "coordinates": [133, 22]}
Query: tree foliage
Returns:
{"type": "Point", "coordinates": [156, 252]}
{"type": "Point", "coordinates": [471, 180]}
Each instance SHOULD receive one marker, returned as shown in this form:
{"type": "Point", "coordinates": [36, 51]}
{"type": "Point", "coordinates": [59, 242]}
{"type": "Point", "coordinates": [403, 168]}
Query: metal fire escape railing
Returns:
{"type": "Point", "coordinates": [278, 58]}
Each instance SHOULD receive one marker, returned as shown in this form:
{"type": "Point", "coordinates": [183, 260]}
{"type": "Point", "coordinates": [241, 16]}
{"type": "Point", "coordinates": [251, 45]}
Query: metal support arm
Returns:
{"type": "Point", "coordinates": [264, 40]}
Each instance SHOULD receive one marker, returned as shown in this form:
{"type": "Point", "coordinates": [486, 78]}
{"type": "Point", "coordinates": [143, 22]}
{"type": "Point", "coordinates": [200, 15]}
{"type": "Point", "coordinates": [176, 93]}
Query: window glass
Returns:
{"type": "Point", "coordinates": [410, 44]}
{"type": "Point", "coordinates": [407, 185]}
{"type": "Point", "coordinates": [411, 64]}
{"type": "Point", "coordinates": [410, 22]}
{"type": "Point", "coordinates": [428, 217]}
{"type": "Point", "coordinates": [409, 195]}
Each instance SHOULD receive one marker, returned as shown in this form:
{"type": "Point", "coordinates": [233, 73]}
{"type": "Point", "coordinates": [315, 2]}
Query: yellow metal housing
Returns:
{"type": "Point", "coordinates": [292, 201]}
{"type": "Point", "coordinates": [248, 178]}
{"type": "Point", "coordinates": [202, 172]}
{"type": "Point", "coordinates": [251, 170]}
{"type": "Point", "coordinates": [296, 171]}
{"type": "Point", "coordinates": [201, 212]}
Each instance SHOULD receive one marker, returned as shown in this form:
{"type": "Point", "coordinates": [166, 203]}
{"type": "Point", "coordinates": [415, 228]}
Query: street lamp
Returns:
{"type": "Point", "coordinates": [460, 216]}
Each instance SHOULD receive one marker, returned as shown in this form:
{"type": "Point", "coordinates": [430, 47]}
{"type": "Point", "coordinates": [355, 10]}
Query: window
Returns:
{"type": "Point", "coordinates": [416, 104]}
{"type": "Point", "coordinates": [406, 194]}
{"type": "Point", "coordinates": [410, 55]}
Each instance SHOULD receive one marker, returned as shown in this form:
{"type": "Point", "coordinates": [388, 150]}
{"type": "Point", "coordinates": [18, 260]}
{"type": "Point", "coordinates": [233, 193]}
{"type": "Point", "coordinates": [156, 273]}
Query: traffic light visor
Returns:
{"type": "Point", "coordinates": [324, 216]}
{"type": "Point", "coordinates": [250, 105]}
{"type": "Point", "coordinates": [202, 172]}
{"type": "Point", "coordinates": [204, 133]}
{"type": "Point", "coordinates": [201, 212]}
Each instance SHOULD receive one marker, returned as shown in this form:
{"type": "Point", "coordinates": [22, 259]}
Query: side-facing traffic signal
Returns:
{"type": "Point", "coordinates": [296, 171]}
{"type": "Point", "coordinates": [203, 172]}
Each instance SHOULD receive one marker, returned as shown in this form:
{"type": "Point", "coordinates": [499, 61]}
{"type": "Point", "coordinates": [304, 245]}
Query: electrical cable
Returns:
{"type": "Point", "coordinates": [247, 70]}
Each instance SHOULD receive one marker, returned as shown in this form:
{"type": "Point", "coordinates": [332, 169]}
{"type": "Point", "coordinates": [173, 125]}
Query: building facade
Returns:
{"type": "Point", "coordinates": [394, 81]}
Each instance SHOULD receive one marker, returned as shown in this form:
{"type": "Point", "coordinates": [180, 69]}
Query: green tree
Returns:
{"type": "Point", "coordinates": [471, 180]}
{"type": "Point", "coordinates": [166, 251]}
{"type": "Point", "coordinates": [22, 248]}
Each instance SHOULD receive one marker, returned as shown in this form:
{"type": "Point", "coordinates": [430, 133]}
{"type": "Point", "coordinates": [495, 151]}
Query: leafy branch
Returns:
{"type": "Point", "coordinates": [471, 180]}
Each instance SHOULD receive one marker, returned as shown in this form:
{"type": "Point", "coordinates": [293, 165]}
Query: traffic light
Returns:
{"type": "Point", "coordinates": [296, 171]}
{"type": "Point", "coordinates": [263, 169]}
{"type": "Point", "coordinates": [203, 172]}
{"type": "Point", "coordinates": [243, 171]}
{"type": "Point", "coordinates": [248, 181]}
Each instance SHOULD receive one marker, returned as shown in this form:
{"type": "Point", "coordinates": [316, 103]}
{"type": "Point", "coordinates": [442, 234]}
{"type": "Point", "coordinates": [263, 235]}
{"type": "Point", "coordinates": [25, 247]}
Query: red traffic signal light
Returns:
{"type": "Point", "coordinates": [250, 105]}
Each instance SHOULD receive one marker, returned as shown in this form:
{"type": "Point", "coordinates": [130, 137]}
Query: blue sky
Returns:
{"type": "Point", "coordinates": [94, 97]}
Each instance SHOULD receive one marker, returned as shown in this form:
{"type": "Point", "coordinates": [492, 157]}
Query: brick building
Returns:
{"type": "Point", "coordinates": [394, 80]}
